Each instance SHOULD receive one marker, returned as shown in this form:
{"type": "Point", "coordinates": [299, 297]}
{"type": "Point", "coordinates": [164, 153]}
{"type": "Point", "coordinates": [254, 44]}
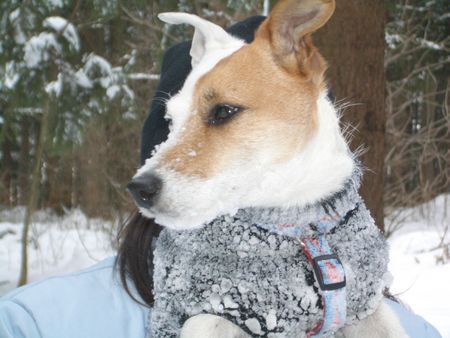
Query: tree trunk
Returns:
{"type": "Point", "coordinates": [33, 193]}
{"type": "Point", "coordinates": [353, 44]}
{"type": "Point", "coordinates": [7, 161]}
{"type": "Point", "coordinates": [441, 159]}
{"type": "Point", "coordinates": [24, 158]}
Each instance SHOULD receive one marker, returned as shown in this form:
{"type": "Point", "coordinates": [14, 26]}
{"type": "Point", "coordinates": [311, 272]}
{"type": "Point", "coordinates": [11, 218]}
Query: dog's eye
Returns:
{"type": "Point", "coordinates": [222, 113]}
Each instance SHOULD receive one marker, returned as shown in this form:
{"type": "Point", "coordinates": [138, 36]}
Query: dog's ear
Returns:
{"type": "Point", "coordinates": [288, 29]}
{"type": "Point", "coordinates": [207, 36]}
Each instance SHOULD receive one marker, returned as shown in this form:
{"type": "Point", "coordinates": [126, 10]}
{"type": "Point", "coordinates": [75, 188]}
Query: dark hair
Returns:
{"type": "Point", "coordinates": [135, 256]}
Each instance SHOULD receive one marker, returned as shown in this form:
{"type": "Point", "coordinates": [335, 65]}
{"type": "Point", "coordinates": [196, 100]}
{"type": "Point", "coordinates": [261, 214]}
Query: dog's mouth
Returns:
{"type": "Point", "coordinates": [175, 220]}
{"type": "Point", "coordinates": [170, 209]}
{"type": "Point", "coordinates": [158, 212]}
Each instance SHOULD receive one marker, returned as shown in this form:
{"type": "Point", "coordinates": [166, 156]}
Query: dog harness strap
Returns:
{"type": "Point", "coordinates": [330, 276]}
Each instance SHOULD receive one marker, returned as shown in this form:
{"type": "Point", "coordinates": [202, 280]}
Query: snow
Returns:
{"type": "Point", "coordinates": [14, 15]}
{"type": "Point", "coordinates": [98, 68]}
{"type": "Point", "coordinates": [216, 302]}
{"type": "Point", "coordinates": [37, 49]}
{"type": "Point", "coordinates": [56, 3]}
{"type": "Point", "coordinates": [392, 40]}
{"type": "Point", "coordinates": [127, 91]}
{"type": "Point", "coordinates": [94, 62]}
{"type": "Point", "coordinates": [430, 44]}
{"type": "Point", "coordinates": [229, 303]}
{"type": "Point", "coordinates": [11, 76]}
{"type": "Point", "coordinates": [82, 79]}
{"type": "Point", "coordinates": [419, 8]}
{"type": "Point", "coordinates": [271, 320]}
{"type": "Point", "coordinates": [64, 27]}
{"type": "Point", "coordinates": [421, 274]}
{"type": "Point", "coordinates": [57, 244]}
{"type": "Point", "coordinates": [143, 76]}
{"type": "Point", "coordinates": [55, 87]}
{"type": "Point", "coordinates": [28, 110]}
{"type": "Point", "coordinates": [19, 35]}
{"type": "Point", "coordinates": [68, 243]}
{"type": "Point", "coordinates": [112, 91]}
{"type": "Point", "coordinates": [419, 280]}
{"type": "Point", "coordinates": [253, 325]}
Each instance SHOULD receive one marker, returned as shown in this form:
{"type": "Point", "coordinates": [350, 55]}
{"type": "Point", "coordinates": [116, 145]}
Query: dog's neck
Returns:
{"type": "Point", "coordinates": [309, 220]}
{"type": "Point", "coordinates": [317, 172]}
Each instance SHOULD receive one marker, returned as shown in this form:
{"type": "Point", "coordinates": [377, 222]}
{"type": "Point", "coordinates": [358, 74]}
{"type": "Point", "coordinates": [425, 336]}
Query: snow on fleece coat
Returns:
{"type": "Point", "coordinates": [238, 267]}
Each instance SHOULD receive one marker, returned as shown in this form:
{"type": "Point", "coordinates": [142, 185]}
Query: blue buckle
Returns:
{"type": "Point", "coordinates": [320, 269]}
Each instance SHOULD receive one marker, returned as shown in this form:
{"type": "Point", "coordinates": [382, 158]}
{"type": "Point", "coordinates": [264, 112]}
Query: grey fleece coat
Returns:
{"type": "Point", "coordinates": [237, 267]}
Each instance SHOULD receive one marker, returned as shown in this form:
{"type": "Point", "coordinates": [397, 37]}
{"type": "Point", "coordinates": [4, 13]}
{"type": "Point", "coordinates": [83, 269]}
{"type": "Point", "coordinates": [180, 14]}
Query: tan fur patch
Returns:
{"type": "Point", "coordinates": [279, 118]}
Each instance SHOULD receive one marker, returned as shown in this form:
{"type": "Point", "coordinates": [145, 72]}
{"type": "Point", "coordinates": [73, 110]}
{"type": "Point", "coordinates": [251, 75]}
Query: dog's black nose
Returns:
{"type": "Point", "coordinates": [144, 189]}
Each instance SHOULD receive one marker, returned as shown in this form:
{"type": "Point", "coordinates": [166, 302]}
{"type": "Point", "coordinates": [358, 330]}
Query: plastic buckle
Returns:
{"type": "Point", "coordinates": [320, 270]}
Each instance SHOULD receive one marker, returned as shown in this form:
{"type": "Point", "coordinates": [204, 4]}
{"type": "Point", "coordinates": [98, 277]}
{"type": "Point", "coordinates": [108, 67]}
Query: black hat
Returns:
{"type": "Point", "coordinates": [176, 66]}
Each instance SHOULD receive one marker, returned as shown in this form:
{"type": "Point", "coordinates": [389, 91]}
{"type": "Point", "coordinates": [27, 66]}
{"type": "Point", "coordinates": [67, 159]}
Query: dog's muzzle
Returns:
{"type": "Point", "coordinates": [145, 189]}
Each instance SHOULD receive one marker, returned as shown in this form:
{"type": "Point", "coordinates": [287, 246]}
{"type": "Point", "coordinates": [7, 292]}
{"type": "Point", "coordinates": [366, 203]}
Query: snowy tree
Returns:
{"type": "Point", "coordinates": [45, 60]}
{"type": "Point", "coordinates": [49, 79]}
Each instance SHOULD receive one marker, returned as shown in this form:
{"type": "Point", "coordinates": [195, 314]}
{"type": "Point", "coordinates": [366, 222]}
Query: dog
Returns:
{"type": "Point", "coordinates": [252, 127]}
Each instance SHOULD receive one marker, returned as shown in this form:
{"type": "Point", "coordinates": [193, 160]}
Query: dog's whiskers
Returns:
{"type": "Point", "coordinates": [163, 100]}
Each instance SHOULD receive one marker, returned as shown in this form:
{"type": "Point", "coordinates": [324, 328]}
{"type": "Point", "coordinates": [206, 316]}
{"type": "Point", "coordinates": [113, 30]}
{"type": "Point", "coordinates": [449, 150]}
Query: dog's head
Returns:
{"type": "Point", "coordinates": [251, 127]}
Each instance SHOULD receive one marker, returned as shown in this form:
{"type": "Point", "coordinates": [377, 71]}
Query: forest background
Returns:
{"type": "Point", "coordinates": [77, 78]}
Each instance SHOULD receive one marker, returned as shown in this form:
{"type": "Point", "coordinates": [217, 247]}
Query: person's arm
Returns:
{"type": "Point", "coordinates": [87, 303]}
{"type": "Point", "coordinates": [413, 325]}
{"type": "Point", "coordinates": [16, 321]}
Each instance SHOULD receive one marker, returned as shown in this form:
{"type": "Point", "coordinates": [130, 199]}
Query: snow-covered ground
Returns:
{"type": "Point", "coordinates": [421, 271]}
{"type": "Point", "coordinates": [57, 244]}
{"type": "Point", "coordinates": [63, 244]}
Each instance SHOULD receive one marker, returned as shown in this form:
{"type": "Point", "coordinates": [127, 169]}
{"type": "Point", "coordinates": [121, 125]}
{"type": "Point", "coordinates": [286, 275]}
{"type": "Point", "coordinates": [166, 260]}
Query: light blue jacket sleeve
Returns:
{"type": "Point", "coordinates": [92, 304]}
{"type": "Point", "coordinates": [89, 303]}
{"type": "Point", "coordinates": [414, 325]}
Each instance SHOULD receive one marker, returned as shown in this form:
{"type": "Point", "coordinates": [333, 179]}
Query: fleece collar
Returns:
{"type": "Point", "coordinates": [311, 220]}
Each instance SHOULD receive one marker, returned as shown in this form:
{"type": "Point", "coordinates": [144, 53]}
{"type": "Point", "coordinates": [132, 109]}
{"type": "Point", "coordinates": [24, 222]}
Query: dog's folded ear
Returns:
{"type": "Point", "coordinates": [207, 36]}
{"type": "Point", "coordinates": [288, 29]}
